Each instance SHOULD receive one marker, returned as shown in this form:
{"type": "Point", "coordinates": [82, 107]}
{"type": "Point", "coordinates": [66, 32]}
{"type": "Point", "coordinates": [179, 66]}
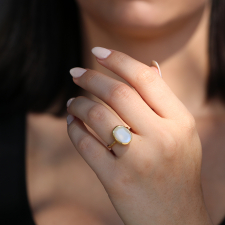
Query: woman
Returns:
{"type": "Point", "coordinates": [155, 179]}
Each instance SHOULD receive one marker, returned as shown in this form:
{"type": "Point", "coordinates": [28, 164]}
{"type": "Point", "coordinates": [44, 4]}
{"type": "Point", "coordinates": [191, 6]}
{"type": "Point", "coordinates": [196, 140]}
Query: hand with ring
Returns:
{"type": "Point", "coordinates": [152, 174]}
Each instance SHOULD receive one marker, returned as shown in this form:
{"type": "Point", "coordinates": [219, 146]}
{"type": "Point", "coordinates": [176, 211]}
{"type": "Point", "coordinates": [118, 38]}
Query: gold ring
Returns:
{"type": "Point", "coordinates": [122, 135]}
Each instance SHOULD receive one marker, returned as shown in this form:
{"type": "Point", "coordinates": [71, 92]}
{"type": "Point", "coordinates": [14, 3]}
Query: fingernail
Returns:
{"type": "Point", "coordinates": [69, 102]}
{"type": "Point", "coordinates": [70, 119]}
{"type": "Point", "coordinates": [154, 63]}
{"type": "Point", "coordinates": [101, 53]}
{"type": "Point", "coordinates": [77, 72]}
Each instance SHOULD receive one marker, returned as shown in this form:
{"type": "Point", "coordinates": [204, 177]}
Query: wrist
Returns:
{"type": "Point", "coordinates": [197, 214]}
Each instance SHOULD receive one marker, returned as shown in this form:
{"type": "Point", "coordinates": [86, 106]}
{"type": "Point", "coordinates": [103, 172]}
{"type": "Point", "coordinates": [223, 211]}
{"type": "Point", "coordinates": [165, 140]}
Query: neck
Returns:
{"type": "Point", "coordinates": [181, 54]}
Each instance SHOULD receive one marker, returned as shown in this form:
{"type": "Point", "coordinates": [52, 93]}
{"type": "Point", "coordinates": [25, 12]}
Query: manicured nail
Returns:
{"type": "Point", "coordinates": [70, 119]}
{"type": "Point", "coordinates": [101, 53]}
{"type": "Point", "coordinates": [154, 63]}
{"type": "Point", "coordinates": [77, 72]}
{"type": "Point", "coordinates": [69, 102]}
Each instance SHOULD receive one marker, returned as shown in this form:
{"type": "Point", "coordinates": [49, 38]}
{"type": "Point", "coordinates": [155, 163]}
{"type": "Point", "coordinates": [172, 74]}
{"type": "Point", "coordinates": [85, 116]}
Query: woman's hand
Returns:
{"type": "Point", "coordinates": [155, 179]}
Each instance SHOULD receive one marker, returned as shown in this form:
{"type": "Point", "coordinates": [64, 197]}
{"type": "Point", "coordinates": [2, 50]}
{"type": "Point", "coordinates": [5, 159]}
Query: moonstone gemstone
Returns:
{"type": "Point", "coordinates": [122, 134]}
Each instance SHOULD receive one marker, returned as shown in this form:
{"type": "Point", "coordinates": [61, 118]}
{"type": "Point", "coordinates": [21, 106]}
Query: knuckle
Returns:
{"type": "Point", "coordinates": [145, 75]}
{"type": "Point", "coordinates": [171, 142]}
{"type": "Point", "coordinates": [96, 113]}
{"type": "Point", "coordinates": [172, 148]}
{"type": "Point", "coordinates": [84, 143]}
{"type": "Point", "coordinates": [90, 75]}
{"type": "Point", "coordinates": [171, 145]}
{"type": "Point", "coordinates": [190, 123]}
{"type": "Point", "coordinates": [188, 126]}
{"type": "Point", "coordinates": [72, 129]}
{"type": "Point", "coordinates": [176, 138]}
{"type": "Point", "coordinates": [119, 92]}
{"type": "Point", "coordinates": [120, 58]}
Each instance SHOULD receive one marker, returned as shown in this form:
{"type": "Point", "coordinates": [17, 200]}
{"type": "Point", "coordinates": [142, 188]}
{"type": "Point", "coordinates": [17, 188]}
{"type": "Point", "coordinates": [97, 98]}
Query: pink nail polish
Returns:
{"type": "Point", "coordinates": [70, 119]}
{"type": "Point", "coordinates": [77, 72]}
{"type": "Point", "coordinates": [69, 102]}
{"type": "Point", "coordinates": [101, 53]}
{"type": "Point", "coordinates": [154, 63]}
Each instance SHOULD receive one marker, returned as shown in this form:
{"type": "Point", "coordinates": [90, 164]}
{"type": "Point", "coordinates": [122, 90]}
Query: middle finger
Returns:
{"type": "Point", "coordinates": [119, 96]}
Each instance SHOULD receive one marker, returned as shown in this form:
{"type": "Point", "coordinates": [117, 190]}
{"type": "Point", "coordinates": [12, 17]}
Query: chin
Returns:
{"type": "Point", "coordinates": [141, 18]}
{"type": "Point", "coordinates": [139, 14]}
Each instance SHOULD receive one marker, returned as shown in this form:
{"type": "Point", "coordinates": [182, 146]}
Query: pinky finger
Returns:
{"type": "Point", "coordinates": [97, 156]}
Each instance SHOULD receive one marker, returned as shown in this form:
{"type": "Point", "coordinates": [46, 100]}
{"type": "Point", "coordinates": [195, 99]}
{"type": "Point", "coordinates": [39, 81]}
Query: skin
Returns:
{"type": "Point", "coordinates": [171, 40]}
{"type": "Point", "coordinates": [174, 50]}
{"type": "Point", "coordinates": [133, 19]}
{"type": "Point", "coordinates": [156, 178]}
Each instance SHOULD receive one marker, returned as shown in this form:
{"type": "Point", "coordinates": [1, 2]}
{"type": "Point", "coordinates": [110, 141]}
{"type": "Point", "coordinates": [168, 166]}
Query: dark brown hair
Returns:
{"type": "Point", "coordinates": [39, 43]}
{"type": "Point", "coordinates": [216, 81]}
{"type": "Point", "coordinates": [40, 40]}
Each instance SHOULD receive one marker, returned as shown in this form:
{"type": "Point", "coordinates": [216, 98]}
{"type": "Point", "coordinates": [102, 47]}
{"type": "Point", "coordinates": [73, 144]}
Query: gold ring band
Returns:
{"type": "Point", "coordinates": [110, 146]}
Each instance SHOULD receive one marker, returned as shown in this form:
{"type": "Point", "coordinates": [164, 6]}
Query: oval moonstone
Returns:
{"type": "Point", "coordinates": [122, 135]}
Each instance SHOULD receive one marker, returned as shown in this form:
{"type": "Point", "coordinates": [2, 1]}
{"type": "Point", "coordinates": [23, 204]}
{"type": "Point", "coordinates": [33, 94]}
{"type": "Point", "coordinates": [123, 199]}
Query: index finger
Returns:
{"type": "Point", "coordinates": [151, 87]}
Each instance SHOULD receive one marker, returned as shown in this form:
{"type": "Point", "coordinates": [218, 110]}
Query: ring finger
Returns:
{"type": "Point", "coordinates": [100, 119]}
